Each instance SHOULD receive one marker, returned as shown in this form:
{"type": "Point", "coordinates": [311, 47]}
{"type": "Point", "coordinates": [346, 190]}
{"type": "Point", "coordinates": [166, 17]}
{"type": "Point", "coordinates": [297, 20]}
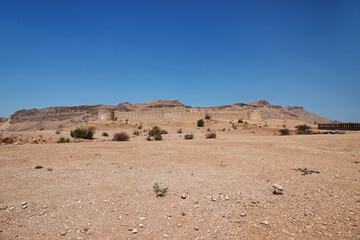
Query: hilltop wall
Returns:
{"type": "Point", "coordinates": [177, 115]}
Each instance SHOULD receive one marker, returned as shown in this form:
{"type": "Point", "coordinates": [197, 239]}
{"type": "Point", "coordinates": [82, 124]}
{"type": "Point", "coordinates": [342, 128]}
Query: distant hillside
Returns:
{"type": "Point", "coordinates": [59, 117]}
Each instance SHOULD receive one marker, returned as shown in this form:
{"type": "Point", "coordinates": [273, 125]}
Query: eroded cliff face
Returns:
{"type": "Point", "coordinates": [58, 117]}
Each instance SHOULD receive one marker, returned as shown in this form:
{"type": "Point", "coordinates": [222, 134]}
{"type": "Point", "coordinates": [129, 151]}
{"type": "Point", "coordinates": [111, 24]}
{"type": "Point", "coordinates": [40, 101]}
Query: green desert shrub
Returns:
{"type": "Point", "coordinates": [200, 123]}
{"type": "Point", "coordinates": [240, 121]}
{"type": "Point", "coordinates": [82, 133]}
{"type": "Point", "coordinates": [123, 136]}
{"type": "Point", "coordinates": [207, 117]}
{"type": "Point", "coordinates": [303, 129]}
{"type": "Point", "coordinates": [156, 130]}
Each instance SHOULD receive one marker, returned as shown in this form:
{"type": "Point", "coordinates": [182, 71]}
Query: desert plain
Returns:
{"type": "Point", "coordinates": [217, 188]}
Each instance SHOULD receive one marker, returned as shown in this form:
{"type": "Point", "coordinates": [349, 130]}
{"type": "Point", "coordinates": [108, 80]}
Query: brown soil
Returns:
{"type": "Point", "coordinates": [103, 189]}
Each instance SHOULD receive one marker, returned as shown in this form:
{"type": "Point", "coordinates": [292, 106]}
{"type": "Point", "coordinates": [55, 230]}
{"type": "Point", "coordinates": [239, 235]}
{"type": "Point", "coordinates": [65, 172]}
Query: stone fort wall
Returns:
{"type": "Point", "coordinates": [178, 115]}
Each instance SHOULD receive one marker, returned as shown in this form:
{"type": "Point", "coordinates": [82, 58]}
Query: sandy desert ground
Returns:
{"type": "Point", "coordinates": [217, 188]}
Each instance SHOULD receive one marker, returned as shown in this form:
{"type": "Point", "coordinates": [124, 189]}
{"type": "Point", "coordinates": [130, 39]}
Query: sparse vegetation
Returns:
{"type": "Point", "coordinates": [207, 117]}
{"type": "Point", "coordinates": [123, 136]}
{"type": "Point", "coordinates": [156, 131]}
{"type": "Point", "coordinates": [240, 121]}
{"type": "Point", "coordinates": [38, 167]}
{"type": "Point", "coordinates": [179, 131]}
{"type": "Point", "coordinates": [234, 126]}
{"type": "Point", "coordinates": [189, 136]}
{"type": "Point", "coordinates": [155, 134]}
{"type": "Point", "coordinates": [160, 192]}
{"type": "Point", "coordinates": [63, 140]}
{"type": "Point", "coordinates": [200, 123]}
{"type": "Point", "coordinates": [303, 129]}
{"type": "Point", "coordinates": [105, 134]}
{"type": "Point", "coordinates": [284, 131]}
{"type": "Point", "coordinates": [136, 133]}
{"type": "Point", "coordinates": [82, 133]}
{"type": "Point", "coordinates": [210, 135]}
{"type": "Point", "coordinates": [57, 132]}
{"type": "Point", "coordinates": [157, 137]}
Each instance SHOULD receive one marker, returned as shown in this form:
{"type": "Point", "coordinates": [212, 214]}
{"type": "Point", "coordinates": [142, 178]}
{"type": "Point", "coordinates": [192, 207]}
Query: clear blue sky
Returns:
{"type": "Point", "coordinates": [201, 52]}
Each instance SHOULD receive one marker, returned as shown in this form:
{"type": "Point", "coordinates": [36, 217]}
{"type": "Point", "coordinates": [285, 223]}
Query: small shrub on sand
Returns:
{"type": "Point", "coordinates": [284, 131]}
{"type": "Point", "coordinates": [179, 131]}
{"type": "Point", "coordinates": [303, 129]}
{"type": "Point", "coordinates": [160, 192]}
{"type": "Point", "coordinates": [210, 135]}
{"type": "Point", "coordinates": [136, 133]}
{"type": "Point", "coordinates": [207, 117]}
{"type": "Point", "coordinates": [157, 137]}
{"type": "Point", "coordinates": [240, 121]}
{"type": "Point", "coordinates": [63, 140]}
{"type": "Point", "coordinates": [57, 132]}
{"type": "Point", "coordinates": [200, 123]}
{"type": "Point", "coordinates": [123, 136]}
{"type": "Point", "coordinates": [105, 134]}
{"type": "Point", "coordinates": [155, 134]}
{"type": "Point", "coordinates": [156, 130]}
{"type": "Point", "coordinates": [189, 136]}
{"type": "Point", "coordinates": [82, 133]}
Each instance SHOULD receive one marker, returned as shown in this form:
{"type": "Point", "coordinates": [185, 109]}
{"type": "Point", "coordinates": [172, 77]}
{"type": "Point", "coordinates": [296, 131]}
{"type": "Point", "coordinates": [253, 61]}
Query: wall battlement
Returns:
{"type": "Point", "coordinates": [177, 115]}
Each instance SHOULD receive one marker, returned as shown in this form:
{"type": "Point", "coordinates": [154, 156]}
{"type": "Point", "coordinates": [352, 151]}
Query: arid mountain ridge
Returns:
{"type": "Point", "coordinates": [55, 117]}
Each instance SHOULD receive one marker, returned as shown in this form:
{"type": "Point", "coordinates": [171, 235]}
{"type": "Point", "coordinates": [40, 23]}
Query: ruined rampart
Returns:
{"type": "Point", "coordinates": [177, 115]}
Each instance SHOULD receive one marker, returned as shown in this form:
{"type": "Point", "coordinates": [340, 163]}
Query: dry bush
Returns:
{"type": "Point", "coordinates": [123, 136]}
{"type": "Point", "coordinates": [157, 137]}
{"type": "Point", "coordinates": [63, 140]}
{"type": "Point", "coordinates": [284, 131]}
{"type": "Point", "coordinates": [303, 129]}
{"type": "Point", "coordinates": [210, 135]}
{"type": "Point", "coordinates": [105, 134]}
{"type": "Point", "coordinates": [179, 131]}
{"type": "Point", "coordinates": [189, 136]}
{"type": "Point", "coordinates": [57, 132]}
{"type": "Point", "coordinates": [136, 133]}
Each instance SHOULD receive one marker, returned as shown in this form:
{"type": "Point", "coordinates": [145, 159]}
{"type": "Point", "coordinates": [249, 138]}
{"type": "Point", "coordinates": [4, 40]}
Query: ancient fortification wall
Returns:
{"type": "Point", "coordinates": [178, 115]}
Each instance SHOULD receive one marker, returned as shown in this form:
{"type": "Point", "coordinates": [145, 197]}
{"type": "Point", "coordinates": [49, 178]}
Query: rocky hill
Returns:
{"type": "Point", "coordinates": [2, 119]}
{"type": "Point", "coordinates": [60, 117]}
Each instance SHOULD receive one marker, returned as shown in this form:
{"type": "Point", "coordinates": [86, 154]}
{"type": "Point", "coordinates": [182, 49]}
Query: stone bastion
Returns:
{"type": "Point", "coordinates": [177, 115]}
